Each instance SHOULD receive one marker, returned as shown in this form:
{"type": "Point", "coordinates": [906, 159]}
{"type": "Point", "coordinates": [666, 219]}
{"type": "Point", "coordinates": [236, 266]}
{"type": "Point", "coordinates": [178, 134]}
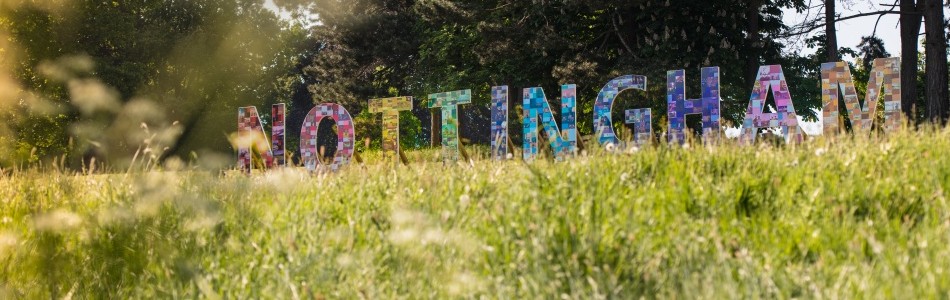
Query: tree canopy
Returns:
{"type": "Point", "coordinates": [82, 79]}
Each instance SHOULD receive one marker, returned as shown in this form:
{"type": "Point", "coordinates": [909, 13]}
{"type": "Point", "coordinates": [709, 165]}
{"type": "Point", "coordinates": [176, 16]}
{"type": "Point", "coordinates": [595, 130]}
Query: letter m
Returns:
{"type": "Point", "coordinates": [885, 74]}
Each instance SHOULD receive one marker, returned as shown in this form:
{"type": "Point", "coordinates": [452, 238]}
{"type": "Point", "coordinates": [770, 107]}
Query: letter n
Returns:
{"type": "Point", "coordinates": [836, 77]}
{"type": "Point", "coordinates": [536, 109]}
{"type": "Point", "coordinates": [252, 139]}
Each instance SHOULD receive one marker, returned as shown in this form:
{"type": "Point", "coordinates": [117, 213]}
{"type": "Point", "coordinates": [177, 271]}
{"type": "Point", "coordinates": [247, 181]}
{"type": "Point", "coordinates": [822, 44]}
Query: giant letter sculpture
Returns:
{"type": "Point", "coordinates": [390, 108]}
{"type": "Point", "coordinates": [449, 103]}
{"type": "Point", "coordinates": [771, 78]}
{"type": "Point", "coordinates": [499, 122]}
{"type": "Point", "coordinates": [311, 156]}
{"type": "Point", "coordinates": [836, 76]}
{"type": "Point", "coordinates": [251, 134]}
{"type": "Point", "coordinates": [679, 107]}
{"type": "Point", "coordinates": [603, 107]}
{"type": "Point", "coordinates": [537, 109]}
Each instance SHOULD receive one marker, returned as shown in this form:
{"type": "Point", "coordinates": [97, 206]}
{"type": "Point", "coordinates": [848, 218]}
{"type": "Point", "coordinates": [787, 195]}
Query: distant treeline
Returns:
{"type": "Point", "coordinates": [84, 79]}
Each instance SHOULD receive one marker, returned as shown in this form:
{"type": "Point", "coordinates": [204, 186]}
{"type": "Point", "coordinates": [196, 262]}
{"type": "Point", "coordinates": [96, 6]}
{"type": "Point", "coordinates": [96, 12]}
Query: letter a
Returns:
{"type": "Point", "coordinates": [771, 78]}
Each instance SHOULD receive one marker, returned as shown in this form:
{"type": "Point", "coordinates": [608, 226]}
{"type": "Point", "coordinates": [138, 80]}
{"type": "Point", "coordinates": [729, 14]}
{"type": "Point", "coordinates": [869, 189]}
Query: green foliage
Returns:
{"type": "Point", "coordinates": [422, 47]}
{"type": "Point", "coordinates": [851, 218]}
{"type": "Point", "coordinates": [194, 63]}
{"type": "Point", "coordinates": [185, 66]}
{"type": "Point", "coordinates": [410, 131]}
{"type": "Point", "coordinates": [369, 126]}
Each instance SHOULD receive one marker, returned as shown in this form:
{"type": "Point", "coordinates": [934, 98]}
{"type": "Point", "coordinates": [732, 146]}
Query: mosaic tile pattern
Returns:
{"type": "Point", "coordinates": [278, 136]}
{"type": "Point", "coordinates": [310, 153]}
{"type": "Point", "coordinates": [771, 78]}
{"type": "Point", "coordinates": [678, 107]}
{"type": "Point", "coordinates": [536, 109]}
{"type": "Point", "coordinates": [251, 130]}
{"type": "Point", "coordinates": [499, 122]}
{"type": "Point", "coordinates": [449, 103]}
{"type": "Point", "coordinates": [603, 106]}
{"type": "Point", "coordinates": [390, 108]}
{"type": "Point", "coordinates": [641, 120]}
{"type": "Point", "coordinates": [836, 80]}
{"type": "Point", "coordinates": [886, 74]}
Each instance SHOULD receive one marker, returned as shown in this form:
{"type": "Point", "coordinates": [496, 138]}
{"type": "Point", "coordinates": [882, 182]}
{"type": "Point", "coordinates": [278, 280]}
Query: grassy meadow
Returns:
{"type": "Point", "coordinates": [849, 218]}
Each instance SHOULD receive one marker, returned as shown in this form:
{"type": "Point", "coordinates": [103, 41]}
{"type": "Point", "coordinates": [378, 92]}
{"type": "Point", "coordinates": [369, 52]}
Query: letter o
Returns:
{"type": "Point", "coordinates": [346, 134]}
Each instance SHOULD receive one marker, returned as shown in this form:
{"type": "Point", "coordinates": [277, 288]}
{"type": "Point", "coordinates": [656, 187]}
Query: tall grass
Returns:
{"type": "Point", "coordinates": [848, 218]}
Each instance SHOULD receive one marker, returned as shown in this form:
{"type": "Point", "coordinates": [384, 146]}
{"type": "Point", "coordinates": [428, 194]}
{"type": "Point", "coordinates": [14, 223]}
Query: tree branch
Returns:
{"type": "Point", "coordinates": [819, 26]}
{"type": "Point", "coordinates": [613, 20]}
{"type": "Point", "coordinates": [894, 6]}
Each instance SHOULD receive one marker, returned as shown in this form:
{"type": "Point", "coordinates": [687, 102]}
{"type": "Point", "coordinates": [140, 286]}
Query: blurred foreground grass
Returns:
{"type": "Point", "coordinates": [853, 218]}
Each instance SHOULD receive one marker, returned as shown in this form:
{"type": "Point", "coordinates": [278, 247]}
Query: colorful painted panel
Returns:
{"type": "Point", "coordinates": [251, 135]}
{"type": "Point", "coordinates": [886, 74]}
{"type": "Point", "coordinates": [603, 107]}
{"type": "Point", "coordinates": [642, 127]}
{"type": "Point", "coordinates": [499, 122]}
{"type": "Point", "coordinates": [390, 108]}
{"type": "Point", "coordinates": [449, 103]}
{"type": "Point", "coordinates": [310, 154]}
{"type": "Point", "coordinates": [278, 136]}
{"type": "Point", "coordinates": [536, 109]}
{"type": "Point", "coordinates": [771, 78]}
{"type": "Point", "coordinates": [835, 77]}
{"type": "Point", "coordinates": [836, 80]}
{"type": "Point", "coordinates": [678, 107]}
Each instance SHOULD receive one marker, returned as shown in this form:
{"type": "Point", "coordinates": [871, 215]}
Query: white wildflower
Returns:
{"type": "Point", "coordinates": [7, 242]}
{"type": "Point", "coordinates": [57, 221]}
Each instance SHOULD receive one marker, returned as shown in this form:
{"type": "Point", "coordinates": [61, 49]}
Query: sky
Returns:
{"type": "Point", "coordinates": [851, 31]}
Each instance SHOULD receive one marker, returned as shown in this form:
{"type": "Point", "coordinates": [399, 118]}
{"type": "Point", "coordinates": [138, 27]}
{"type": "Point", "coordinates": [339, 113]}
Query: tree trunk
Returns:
{"type": "Point", "coordinates": [755, 38]}
{"type": "Point", "coordinates": [938, 102]}
{"type": "Point", "coordinates": [831, 33]}
{"type": "Point", "coordinates": [910, 30]}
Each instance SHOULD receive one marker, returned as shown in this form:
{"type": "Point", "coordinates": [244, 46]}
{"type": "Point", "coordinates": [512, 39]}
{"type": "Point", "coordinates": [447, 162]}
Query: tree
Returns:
{"type": "Point", "coordinates": [870, 48]}
{"type": "Point", "coordinates": [938, 102]}
{"type": "Point", "coordinates": [367, 51]}
{"type": "Point", "coordinates": [910, 29]}
{"type": "Point", "coordinates": [154, 62]}
{"type": "Point", "coordinates": [831, 32]}
{"type": "Point", "coordinates": [524, 44]}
